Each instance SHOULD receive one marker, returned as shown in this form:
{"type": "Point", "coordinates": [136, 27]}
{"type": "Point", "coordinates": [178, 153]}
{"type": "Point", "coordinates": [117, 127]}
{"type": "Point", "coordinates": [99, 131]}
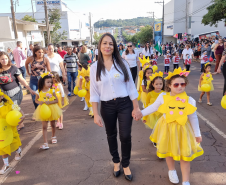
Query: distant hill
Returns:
{"type": "Point", "coordinates": [139, 21]}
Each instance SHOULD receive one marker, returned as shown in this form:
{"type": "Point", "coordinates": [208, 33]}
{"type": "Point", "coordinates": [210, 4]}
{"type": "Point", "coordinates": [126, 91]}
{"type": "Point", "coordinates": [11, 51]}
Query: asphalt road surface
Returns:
{"type": "Point", "coordinates": [81, 156]}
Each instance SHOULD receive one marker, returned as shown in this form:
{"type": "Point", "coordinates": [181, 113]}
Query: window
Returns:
{"type": "Point", "coordinates": [29, 33]}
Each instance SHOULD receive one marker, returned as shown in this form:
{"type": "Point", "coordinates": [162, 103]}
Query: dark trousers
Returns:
{"type": "Point", "coordinates": [202, 67]}
{"type": "Point", "coordinates": [218, 59]}
{"type": "Point", "coordinates": [166, 69]}
{"type": "Point", "coordinates": [34, 87]}
{"type": "Point", "coordinates": [121, 110]}
{"type": "Point", "coordinates": [224, 73]}
{"type": "Point", "coordinates": [71, 77]}
{"type": "Point", "coordinates": [134, 73]}
{"type": "Point", "coordinates": [23, 71]}
{"type": "Point", "coordinates": [187, 67]}
{"type": "Point", "coordinates": [175, 66]}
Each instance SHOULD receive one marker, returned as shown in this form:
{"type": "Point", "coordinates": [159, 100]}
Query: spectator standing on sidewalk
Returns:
{"type": "Point", "coordinates": [10, 76]}
{"type": "Point", "coordinates": [10, 53]}
{"type": "Point", "coordinates": [30, 51]}
{"type": "Point", "coordinates": [39, 64]}
{"type": "Point", "coordinates": [20, 56]}
{"type": "Point", "coordinates": [206, 48]}
{"type": "Point", "coordinates": [222, 62]}
{"type": "Point", "coordinates": [148, 50]}
{"type": "Point", "coordinates": [83, 56]}
{"type": "Point", "coordinates": [56, 63]}
{"type": "Point", "coordinates": [71, 63]}
{"type": "Point", "coordinates": [219, 48]}
{"type": "Point", "coordinates": [61, 52]}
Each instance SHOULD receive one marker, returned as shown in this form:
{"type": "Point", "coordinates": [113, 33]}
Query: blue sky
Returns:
{"type": "Point", "coordinates": [107, 9]}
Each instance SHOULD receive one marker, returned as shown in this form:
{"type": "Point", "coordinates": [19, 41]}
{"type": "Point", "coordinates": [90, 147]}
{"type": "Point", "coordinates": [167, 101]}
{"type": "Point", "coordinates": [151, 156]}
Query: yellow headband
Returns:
{"type": "Point", "coordinates": [178, 72]}
{"type": "Point", "coordinates": [148, 66]}
{"type": "Point", "coordinates": [144, 60]}
{"type": "Point", "coordinates": [160, 74]}
{"type": "Point", "coordinates": [207, 64]}
{"type": "Point", "coordinates": [47, 74]}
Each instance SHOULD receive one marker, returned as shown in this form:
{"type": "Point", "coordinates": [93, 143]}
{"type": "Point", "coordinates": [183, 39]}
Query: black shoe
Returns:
{"type": "Point", "coordinates": [129, 177]}
{"type": "Point", "coordinates": [116, 174]}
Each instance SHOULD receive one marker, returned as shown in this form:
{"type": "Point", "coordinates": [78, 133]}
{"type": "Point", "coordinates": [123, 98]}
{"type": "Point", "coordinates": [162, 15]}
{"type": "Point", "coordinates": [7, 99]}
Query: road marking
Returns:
{"type": "Point", "coordinates": [14, 163]}
{"type": "Point", "coordinates": [212, 125]}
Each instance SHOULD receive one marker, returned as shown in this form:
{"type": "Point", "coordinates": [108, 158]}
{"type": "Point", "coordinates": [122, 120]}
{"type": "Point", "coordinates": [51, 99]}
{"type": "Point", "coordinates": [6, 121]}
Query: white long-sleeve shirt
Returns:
{"type": "Point", "coordinates": [61, 89]}
{"type": "Point", "coordinates": [147, 53]}
{"type": "Point", "coordinates": [111, 85]}
{"type": "Point", "coordinates": [193, 118]}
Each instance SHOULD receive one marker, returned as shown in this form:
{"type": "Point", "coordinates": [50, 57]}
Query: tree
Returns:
{"type": "Point", "coordinates": [54, 19]}
{"type": "Point", "coordinates": [216, 13]}
{"type": "Point", "coordinates": [28, 18]}
{"type": "Point", "coordinates": [96, 38]}
{"type": "Point", "coordinates": [145, 35]}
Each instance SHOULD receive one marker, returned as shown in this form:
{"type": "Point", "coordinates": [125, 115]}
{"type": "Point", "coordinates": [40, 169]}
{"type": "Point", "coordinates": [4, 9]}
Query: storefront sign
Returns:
{"type": "Point", "coordinates": [48, 2]}
{"type": "Point", "coordinates": [74, 29]}
{"type": "Point", "coordinates": [170, 27]}
{"type": "Point", "coordinates": [158, 27]}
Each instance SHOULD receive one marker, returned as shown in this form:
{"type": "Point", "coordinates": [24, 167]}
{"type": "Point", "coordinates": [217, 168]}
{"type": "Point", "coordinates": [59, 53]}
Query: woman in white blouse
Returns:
{"type": "Point", "coordinates": [147, 51]}
{"type": "Point", "coordinates": [132, 58]}
{"type": "Point", "coordinates": [111, 83]}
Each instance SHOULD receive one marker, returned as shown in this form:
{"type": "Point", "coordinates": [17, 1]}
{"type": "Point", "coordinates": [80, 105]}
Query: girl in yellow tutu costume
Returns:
{"type": "Point", "coordinates": [156, 87]}
{"type": "Point", "coordinates": [78, 79]}
{"type": "Point", "coordinates": [177, 132]}
{"type": "Point", "coordinates": [9, 137]}
{"type": "Point", "coordinates": [145, 84]}
{"type": "Point", "coordinates": [85, 73]}
{"type": "Point", "coordinates": [62, 99]}
{"type": "Point", "coordinates": [46, 95]}
{"type": "Point", "coordinates": [144, 62]}
{"type": "Point", "coordinates": [206, 78]}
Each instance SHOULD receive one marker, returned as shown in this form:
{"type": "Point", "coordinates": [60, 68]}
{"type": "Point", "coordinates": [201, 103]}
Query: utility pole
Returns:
{"type": "Point", "coordinates": [32, 8]}
{"type": "Point", "coordinates": [162, 2]}
{"type": "Point", "coordinates": [153, 25]}
{"type": "Point", "coordinates": [14, 20]}
{"type": "Point", "coordinates": [47, 22]}
{"type": "Point", "coordinates": [90, 27]}
{"type": "Point", "coordinates": [186, 15]}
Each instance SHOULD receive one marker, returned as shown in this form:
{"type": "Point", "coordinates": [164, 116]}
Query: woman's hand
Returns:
{"type": "Point", "coordinates": [137, 115]}
{"type": "Point", "coordinates": [219, 70]}
{"type": "Point", "coordinates": [199, 139]}
{"type": "Point", "coordinates": [98, 120]}
{"type": "Point", "coordinates": [32, 92]}
{"type": "Point", "coordinates": [144, 121]}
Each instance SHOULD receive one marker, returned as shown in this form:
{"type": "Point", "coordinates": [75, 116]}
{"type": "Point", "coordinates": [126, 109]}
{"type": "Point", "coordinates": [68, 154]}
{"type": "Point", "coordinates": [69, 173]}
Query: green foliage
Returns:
{"type": "Point", "coordinates": [28, 18]}
{"type": "Point", "coordinates": [96, 38]}
{"type": "Point", "coordinates": [145, 35]}
{"type": "Point", "coordinates": [216, 13]}
{"type": "Point", "coordinates": [54, 19]}
{"type": "Point", "coordinates": [116, 34]}
{"type": "Point", "coordinates": [139, 21]}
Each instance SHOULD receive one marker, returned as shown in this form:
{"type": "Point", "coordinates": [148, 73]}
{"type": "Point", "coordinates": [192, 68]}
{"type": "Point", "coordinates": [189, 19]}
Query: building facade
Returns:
{"type": "Point", "coordinates": [76, 24]}
{"type": "Point", "coordinates": [185, 16]}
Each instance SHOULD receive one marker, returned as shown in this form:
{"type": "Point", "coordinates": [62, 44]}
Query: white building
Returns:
{"type": "Point", "coordinates": [75, 23]}
{"type": "Point", "coordinates": [185, 16]}
{"type": "Point", "coordinates": [28, 32]}
{"type": "Point", "coordinates": [105, 30]}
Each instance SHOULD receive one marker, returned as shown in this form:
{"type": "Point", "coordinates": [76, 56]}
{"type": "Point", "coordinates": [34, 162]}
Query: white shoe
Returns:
{"type": "Point", "coordinates": [173, 176]}
{"type": "Point", "coordinates": [4, 169]}
{"type": "Point", "coordinates": [186, 183]}
{"type": "Point", "coordinates": [86, 107]}
{"type": "Point", "coordinates": [18, 155]}
{"type": "Point", "coordinates": [82, 99]}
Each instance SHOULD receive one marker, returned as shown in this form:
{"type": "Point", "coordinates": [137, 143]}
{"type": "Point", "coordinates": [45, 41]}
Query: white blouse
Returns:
{"type": "Point", "coordinates": [60, 86]}
{"type": "Point", "coordinates": [148, 53]}
{"type": "Point", "coordinates": [193, 118]}
{"type": "Point", "coordinates": [111, 85]}
{"type": "Point", "coordinates": [131, 59]}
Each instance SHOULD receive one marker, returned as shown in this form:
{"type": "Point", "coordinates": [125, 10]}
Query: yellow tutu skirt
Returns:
{"type": "Point", "coordinates": [14, 145]}
{"type": "Point", "coordinates": [152, 119]}
{"type": "Point", "coordinates": [176, 141]}
{"type": "Point", "coordinates": [143, 98]}
{"type": "Point", "coordinates": [211, 85]}
{"type": "Point", "coordinates": [66, 101]}
{"type": "Point", "coordinates": [56, 112]}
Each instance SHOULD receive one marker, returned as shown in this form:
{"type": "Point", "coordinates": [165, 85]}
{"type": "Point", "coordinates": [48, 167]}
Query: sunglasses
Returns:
{"type": "Point", "coordinates": [129, 46]}
{"type": "Point", "coordinates": [147, 44]}
{"type": "Point", "coordinates": [176, 85]}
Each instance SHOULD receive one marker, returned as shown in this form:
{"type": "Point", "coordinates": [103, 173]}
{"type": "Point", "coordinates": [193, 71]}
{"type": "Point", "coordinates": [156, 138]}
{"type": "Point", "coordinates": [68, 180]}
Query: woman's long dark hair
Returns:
{"type": "Point", "coordinates": [116, 59]}
{"type": "Point", "coordinates": [146, 48]}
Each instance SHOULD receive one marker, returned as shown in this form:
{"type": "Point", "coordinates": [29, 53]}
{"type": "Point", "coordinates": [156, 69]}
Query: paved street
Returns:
{"type": "Point", "coordinates": [82, 157]}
